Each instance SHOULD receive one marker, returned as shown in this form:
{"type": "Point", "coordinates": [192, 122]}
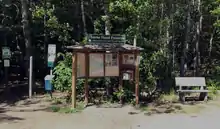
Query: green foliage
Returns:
{"type": "Point", "coordinates": [168, 98]}
{"type": "Point", "coordinates": [160, 27]}
{"type": "Point", "coordinates": [55, 29]}
{"type": "Point", "coordinates": [67, 110]}
{"type": "Point", "coordinates": [63, 75]}
{"type": "Point", "coordinates": [213, 83]}
{"type": "Point", "coordinates": [63, 72]}
{"type": "Point", "coordinates": [213, 87]}
{"type": "Point", "coordinates": [125, 94]}
{"type": "Point", "coordinates": [149, 70]}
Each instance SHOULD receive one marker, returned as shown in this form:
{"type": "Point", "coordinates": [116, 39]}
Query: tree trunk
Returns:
{"type": "Point", "coordinates": [173, 43]}
{"type": "Point", "coordinates": [198, 31]}
{"type": "Point", "coordinates": [183, 64]}
{"type": "Point", "coordinates": [160, 25]}
{"type": "Point", "coordinates": [27, 31]}
{"type": "Point", "coordinates": [211, 41]}
{"type": "Point", "coordinates": [107, 32]}
{"type": "Point", "coordinates": [136, 32]}
{"type": "Point", "coordinates": [107, 20]}
{"type": "Point", "coordinates": [83, 17]}
{"type": "Point", "coordinates": [45, 38]}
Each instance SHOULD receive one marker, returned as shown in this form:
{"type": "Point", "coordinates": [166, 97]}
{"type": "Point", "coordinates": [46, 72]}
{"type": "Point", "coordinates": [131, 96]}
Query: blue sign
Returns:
{"type": "Point", "coordinates": [50, 64]}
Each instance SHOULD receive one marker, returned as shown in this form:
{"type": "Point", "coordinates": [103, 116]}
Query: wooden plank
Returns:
{"type": "Point", "coordinates": [86, 88]}
{"type": "Point", "coordinates": [190, 81]}
{"type": "Point", "coordinates": [120, 70]}
{"type": "Point", "coordinates": [74, 74]}
{"type": "Point", "coordinates": [192, 91]}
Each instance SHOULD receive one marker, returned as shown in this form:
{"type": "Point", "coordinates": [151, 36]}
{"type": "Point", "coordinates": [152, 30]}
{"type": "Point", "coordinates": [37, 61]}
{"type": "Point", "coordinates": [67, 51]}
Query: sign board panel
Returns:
{"type": "Point", "coordinates": [96, 65]}
{"type": "Point", "coordinates": [51, 55]}
{"type": "Point", "coordinates": [106, 39]}
{"type": "Point", "coordinates": [128, 59]}
{"type": "Point", "coordinates": [111, 65]}
{"type": "Point", "coordinates": [6, 63]}
{"type": "Point", "coordinates": [6, 53]}
{"type": "Point", "coordinates": [81, 71]}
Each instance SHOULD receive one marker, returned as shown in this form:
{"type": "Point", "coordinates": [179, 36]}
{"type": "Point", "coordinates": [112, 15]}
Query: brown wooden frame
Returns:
{"type": "Point", "coordinates": [122, 67]}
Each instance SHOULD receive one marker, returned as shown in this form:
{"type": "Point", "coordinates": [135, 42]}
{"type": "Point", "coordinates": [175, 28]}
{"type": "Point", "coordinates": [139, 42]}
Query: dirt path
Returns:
{"type": "Point", "coordinates": [104, 118]}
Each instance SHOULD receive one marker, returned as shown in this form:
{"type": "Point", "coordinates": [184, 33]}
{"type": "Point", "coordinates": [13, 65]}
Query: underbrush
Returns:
{"type": "Point", "coordinates": [213, 87]}
{"type": "Point", "coordinates": [67, 108]}
{"type": "Point", "coordinates": [62, 105]}
{"type": "Point", "coordinates": [169, 103]}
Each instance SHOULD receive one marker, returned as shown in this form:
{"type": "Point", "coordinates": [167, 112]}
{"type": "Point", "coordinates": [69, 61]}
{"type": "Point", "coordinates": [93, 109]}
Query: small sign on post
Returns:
{"type": "Point", "coordinates": [127, 75]}
{"type": "Point", "coordinates": [6, 63]}
{"type": "Point", "coordinates": [138, 60]}
{"type": "Point", "coordinates": [51, 55]}
{"type": "Point", "coordinates": [6, 53]}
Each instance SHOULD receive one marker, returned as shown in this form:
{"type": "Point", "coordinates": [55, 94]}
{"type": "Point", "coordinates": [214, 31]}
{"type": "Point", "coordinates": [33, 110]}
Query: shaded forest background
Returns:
{"type": "Point", "coordinates": [180, 38]}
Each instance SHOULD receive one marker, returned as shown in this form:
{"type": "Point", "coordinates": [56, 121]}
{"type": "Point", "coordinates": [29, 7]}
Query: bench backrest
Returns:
{"type": "Point", "coordinates": [190, 81]}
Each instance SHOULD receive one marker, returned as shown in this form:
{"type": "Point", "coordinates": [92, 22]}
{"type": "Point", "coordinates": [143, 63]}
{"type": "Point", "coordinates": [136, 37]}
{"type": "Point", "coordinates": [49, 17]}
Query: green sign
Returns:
{"type": "Point", "coordinates": [106, 39]}
{"type": "Point", "coordinates": [6, 53]}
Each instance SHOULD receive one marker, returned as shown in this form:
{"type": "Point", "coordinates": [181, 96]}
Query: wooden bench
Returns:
{"type": "Point", "coordinates": [186, 83]}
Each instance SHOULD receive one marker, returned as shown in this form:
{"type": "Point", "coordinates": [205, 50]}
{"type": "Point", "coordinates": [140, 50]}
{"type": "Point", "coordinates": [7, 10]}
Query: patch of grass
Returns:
{"type": "Point", "coordinates": [67, 109]}
{"type": "Point", "coordinates": [213, 94]}
{"type": "Point", "coordinates": [169, 103]}
{"type": "Point", "coordinates": [56, 101]}
{"type": "Point", "coordinates": [144, 108]}
{"type": "Point", "coordinates": [215, 102]}
{"type": "Point", "coordinates": [168, 98]}
{"type": "Point", "coordinates": [172, 108]}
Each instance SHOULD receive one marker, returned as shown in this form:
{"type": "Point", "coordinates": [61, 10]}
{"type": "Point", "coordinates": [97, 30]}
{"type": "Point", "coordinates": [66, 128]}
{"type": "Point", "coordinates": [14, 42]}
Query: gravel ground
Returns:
{"type": "Point", "coordinates": [105, 118]}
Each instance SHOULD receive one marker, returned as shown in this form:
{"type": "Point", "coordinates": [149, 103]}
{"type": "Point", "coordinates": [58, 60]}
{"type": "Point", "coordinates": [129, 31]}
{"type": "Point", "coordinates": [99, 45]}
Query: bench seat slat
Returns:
{"type": "Point", "coordinates": [190, 81]}
{"type": "Point", "coordinates": [192, 91]}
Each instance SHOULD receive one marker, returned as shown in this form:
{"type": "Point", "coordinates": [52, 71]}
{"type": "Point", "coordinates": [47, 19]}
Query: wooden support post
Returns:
{"type": "Point", "coordinates": [120, 74]}
{"type": "Point", "coordinates": [136, 79]}
{"type": "Point", "coordinates": [74, 69]}
{"type": "Point", "coordinates": [86, 78]}
{"type": "Point", "coordinates": [120, 70]}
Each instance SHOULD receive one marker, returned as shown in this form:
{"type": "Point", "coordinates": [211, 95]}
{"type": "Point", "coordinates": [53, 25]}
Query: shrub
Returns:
{"type": "Point", "coordinates": [63, 71]}
{"type": "Point", "coordinates": [170, 98]}
{"type": "Point", "coordinates": [213, 87]}
{"type": "Point", "coordinates": [63, 75]}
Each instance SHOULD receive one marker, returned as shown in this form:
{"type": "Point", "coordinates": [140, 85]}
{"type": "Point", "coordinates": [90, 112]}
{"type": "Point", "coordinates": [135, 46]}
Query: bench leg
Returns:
{"type": "Point", "coordinates": [206, 98]}
{"type": "Point", "coordinates": [182, 97]}
{"type": "Point", "coordinates": [203, 96]}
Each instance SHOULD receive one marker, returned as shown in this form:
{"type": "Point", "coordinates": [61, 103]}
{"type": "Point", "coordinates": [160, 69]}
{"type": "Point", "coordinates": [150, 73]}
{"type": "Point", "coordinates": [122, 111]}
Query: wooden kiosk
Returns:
{"type": "Point", "coordinates": [105, 56]}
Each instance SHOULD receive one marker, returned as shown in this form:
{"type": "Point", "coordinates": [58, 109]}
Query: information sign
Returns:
{"type": "Point", "coordinates": [51, 55]}
{"type": "Point", "coordinates": [106, 39]}
{"type": "Point", "coordinates": [6, 53]}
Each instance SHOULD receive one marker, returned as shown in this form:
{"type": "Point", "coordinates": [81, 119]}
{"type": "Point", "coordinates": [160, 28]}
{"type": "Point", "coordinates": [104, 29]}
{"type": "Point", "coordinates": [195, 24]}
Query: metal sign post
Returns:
{"type": "Point", "coordinates": [6, 55]}
{"type": "Point", "coordinates": [50, 64]}
{"type": "Point", "coordinates": [30, 76]}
